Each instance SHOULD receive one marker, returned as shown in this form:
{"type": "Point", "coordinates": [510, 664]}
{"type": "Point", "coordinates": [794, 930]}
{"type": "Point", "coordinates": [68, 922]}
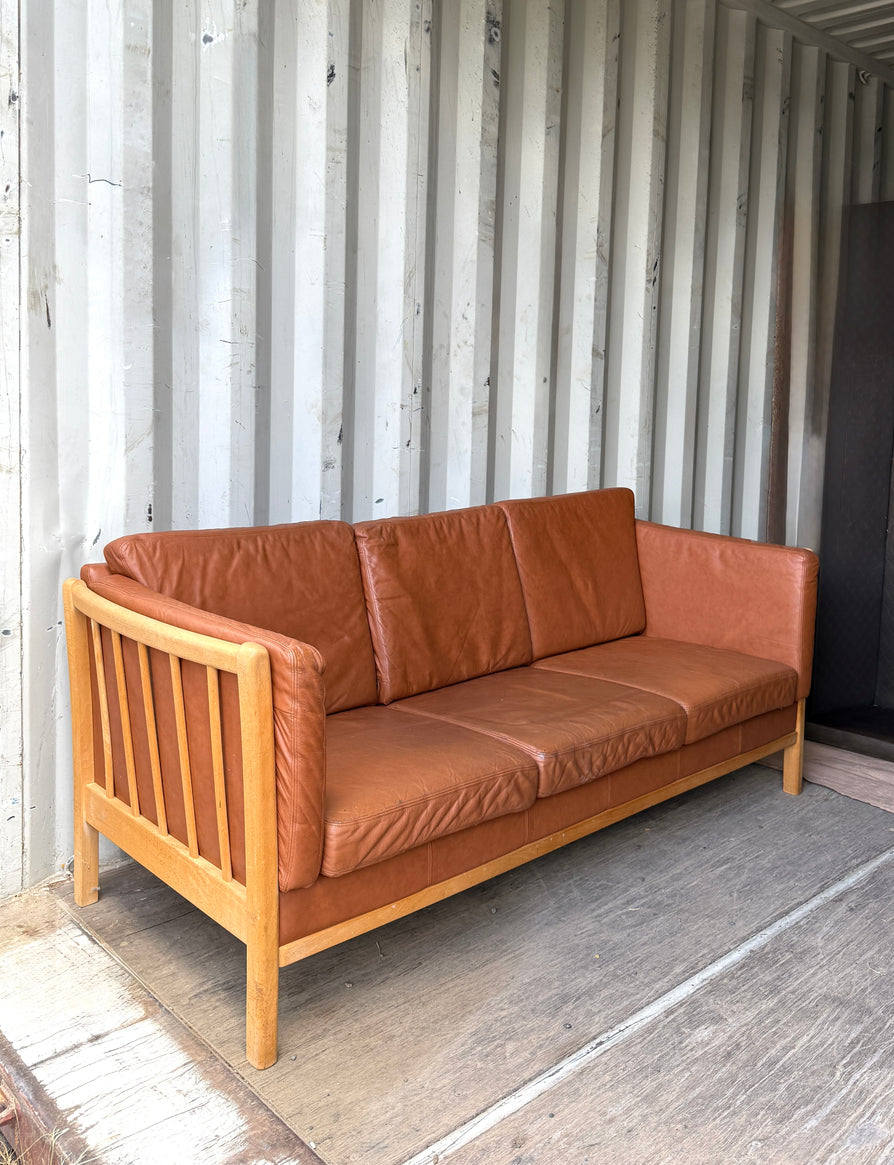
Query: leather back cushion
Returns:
{"type": "Point", "coordinates": [444, 599]}
{"type": "Point", "coordinates": [577, 559]}
{"type": "Point", "coordinates": [300, 580]}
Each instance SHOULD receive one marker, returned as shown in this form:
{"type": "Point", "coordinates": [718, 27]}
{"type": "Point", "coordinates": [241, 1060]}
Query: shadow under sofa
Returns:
{"type": "Point", "coordinates": [311, 729]}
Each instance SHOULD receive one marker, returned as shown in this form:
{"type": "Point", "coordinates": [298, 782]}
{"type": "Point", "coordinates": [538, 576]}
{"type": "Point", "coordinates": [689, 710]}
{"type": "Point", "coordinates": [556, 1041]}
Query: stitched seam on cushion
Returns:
{"type": "Point", "coordinates": [369, 592]}
{"type": "Point", "coordinates": [477, 781]}
{"type": "Point", "coordinates": [756, 686]}
{"type": "Point", "coordinates": [568, 749]}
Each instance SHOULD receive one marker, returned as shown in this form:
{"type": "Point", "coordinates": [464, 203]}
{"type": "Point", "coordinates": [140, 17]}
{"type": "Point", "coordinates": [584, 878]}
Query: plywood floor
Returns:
{"type": "Point", "coordinates": [709, 982]}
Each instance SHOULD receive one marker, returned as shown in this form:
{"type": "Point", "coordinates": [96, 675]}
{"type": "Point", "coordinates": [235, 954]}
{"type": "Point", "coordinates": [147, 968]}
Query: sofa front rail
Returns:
{"type": "Point", "coordinates": [122, 666]}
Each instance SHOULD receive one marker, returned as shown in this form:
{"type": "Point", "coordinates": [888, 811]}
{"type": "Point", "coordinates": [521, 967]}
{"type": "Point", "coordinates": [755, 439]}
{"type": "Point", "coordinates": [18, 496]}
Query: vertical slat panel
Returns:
{"type": "Point", "coordinates": [104, 718]}
{"type": "Point", "coordinates": [183, 752]}
{"type": "Point", "coordinates": [804, 191]}
{"type": "Point", "coordinates": [589, 110]}
{"type": "Point", "coordinates": [213, 192]}
{"type": "Point", "coordinates": [470, 41]}
{"type": "Point", "coordinates": [868, 112]}
{"type": "Point", "coordinates": [532, 58]}
{"type": "Point", "coordinates": [307, 263]}
{"type": "Point", "coordinates": [126, 733]}
{"type": "Point", "coordinates": [11, 776]}
{"type": "Point", "coordinates": [217, 765]}
{"type": "Point", "coordinates": [886, 184]}
{"type": "Point", "coordinates": [689, 136]}
{"type": "Point", "coordinates": [766, 195]}
{"type": "Point", "coordinates": [838, 111]}
{"type": "Point", "coordinates": [386, 210]}
{"type": "Point", "coordinates": [724, 269]}
{"type": "Point", "coordinates": [636, 242]}
{"type": "Point", "coordinates": [161, 816]}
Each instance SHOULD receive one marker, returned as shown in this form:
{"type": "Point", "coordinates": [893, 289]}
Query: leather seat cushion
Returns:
{"type": "Point", "coordinates": [574, 727]}
{"type": "Point", "coordinates": [717, 688]}
{"type": "Point", "coordinates": [395, 781]}
{"type": "Point", "coordinates": [444, 599]}
{"type": "Point", "coordinates": [578, 566]}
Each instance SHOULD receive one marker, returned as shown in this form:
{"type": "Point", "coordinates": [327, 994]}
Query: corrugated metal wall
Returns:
{"type": "Point", "coordinates": [297, 258]}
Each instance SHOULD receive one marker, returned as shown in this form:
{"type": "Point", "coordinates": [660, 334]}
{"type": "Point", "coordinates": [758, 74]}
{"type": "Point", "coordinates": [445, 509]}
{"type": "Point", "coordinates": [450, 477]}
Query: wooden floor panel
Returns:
{"type": "Point", "coordinates": [393, 1040]}
{"type": "Point", "coordinates": [788, 1059]}
{"type": "Point", "coordinates": [99, 1069]}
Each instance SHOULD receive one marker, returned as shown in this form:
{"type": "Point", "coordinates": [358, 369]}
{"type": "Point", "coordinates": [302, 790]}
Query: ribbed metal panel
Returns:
{"type": "Point", "coordinates": [369, 257]}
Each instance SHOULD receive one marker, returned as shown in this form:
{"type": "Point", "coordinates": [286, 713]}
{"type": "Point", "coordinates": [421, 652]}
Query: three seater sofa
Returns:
{"type": "Point", "coordinates": [309, 730]}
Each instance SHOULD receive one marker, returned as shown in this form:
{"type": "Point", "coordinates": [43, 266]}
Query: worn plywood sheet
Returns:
{"type": "Point", "coordinates": [391, 1041]}
{"type": "Point", "coordinates": [101, 1070]}
{"type": "Point", "coordinates": [865, 778]}
{"type": "Point", "coordinates": [787, 1059]}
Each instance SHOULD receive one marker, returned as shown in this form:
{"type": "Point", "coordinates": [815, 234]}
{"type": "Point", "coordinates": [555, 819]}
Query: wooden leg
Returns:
{"type": "Point", "coordinates": [793, 758]}
{"type": "Point", "coordinates": [261, 1002]}
{"type": "Point", "coordinates": [86, 838]}
{"type": "Point", "coordinates": [86, 863]}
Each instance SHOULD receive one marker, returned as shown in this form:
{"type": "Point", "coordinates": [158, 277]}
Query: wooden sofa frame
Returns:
{"type": "Point", "coordinates": [249, 911]}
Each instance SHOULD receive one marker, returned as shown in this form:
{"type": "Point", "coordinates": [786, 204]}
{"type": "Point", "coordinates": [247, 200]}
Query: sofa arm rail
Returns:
{"type": "Point", "coordinates": [122, 666]}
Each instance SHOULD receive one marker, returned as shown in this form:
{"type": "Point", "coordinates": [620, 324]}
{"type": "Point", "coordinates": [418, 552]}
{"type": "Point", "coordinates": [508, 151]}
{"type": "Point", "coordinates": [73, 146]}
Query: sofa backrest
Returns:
{"type": "Point", "coordinates": [444, 599]}
{"type": "Point", "coordinates": [577, 560]}
{"type": "Point", "coordinates": [300, 580]}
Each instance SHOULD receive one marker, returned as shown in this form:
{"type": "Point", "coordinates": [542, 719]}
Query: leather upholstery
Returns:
{"type": "Point", "coordinates": [444, 599]}
{"type": "Point", "coordinates": [332, 900]}
{"type": "Point", "coordinates": [300, 580]}
{"type": "Point", "coordinates": [576, 556]}
{"type": "Point", "coordinates": [476, 752]}
{"type": "Point", "coordinates": [299, 723]}
{"type": "Point", "coordinates": [574, 727]}
{"type": "Point", "coordinates": [727, 592]}
{"type": "Point", "coordinates": [716, 688]}
{"type": "Point", "coordinates": [394, 781]}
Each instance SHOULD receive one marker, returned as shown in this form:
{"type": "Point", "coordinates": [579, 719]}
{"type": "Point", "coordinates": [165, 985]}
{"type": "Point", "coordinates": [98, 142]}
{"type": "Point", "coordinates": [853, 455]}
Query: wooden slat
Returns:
{"type": "Point", "coordinates": [220, 791]}
{"type": "Point", "coordinates": [124, 713]}
{"type": "Point", "coordinates": [183, 750]}
{"type": "Point", "coordinates": [103, 708]}
{"type": "Point", "coordinates": [152, 735]}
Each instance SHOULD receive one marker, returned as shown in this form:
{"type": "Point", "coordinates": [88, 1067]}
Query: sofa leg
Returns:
{"type": "Point", "coordinates": [793, 758]}
{"type": "Point", "coordinates": [261, 1003]}
{"type": "Point", "coordinates": [86, 864]}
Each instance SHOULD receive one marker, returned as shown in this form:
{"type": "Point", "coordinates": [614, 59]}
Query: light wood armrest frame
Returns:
{"type": "Point", "coordinates": [250, 911]}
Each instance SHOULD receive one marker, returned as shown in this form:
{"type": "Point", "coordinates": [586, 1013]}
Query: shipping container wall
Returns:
{"type": "Point", "coordinates": [293, 259]}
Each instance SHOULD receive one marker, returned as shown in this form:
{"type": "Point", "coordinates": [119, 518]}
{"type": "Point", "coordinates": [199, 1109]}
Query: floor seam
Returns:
{"type": "Point", "coordinates": [548, 1079]}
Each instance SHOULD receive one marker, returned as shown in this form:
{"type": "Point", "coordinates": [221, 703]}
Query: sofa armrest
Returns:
{"type": "Point", "coordinates": [745, 596]}
{"type": "Point", "coordinates": [299, 716]}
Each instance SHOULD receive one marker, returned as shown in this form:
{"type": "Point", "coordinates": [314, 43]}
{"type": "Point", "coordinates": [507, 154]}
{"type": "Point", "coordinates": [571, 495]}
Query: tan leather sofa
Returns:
{"type": "Point", "coordinates": [311, 729]}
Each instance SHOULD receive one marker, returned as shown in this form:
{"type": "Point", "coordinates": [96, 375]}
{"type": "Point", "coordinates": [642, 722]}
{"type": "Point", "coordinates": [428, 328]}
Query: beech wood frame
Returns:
{"type": "Point", "coordinates": [251, 912]}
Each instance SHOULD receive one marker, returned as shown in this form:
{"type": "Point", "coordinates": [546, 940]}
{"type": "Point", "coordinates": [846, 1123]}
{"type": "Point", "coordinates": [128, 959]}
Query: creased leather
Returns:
{"type": "Point", "coordinates": [716, 688]}
{"type": "Point", "coordinates": [576, 556]}
{"type": "Point", "coordinates": [574, 727]}
{"type": "Point", "coordinates": [298, 728]}
{"type": "Point", "coordinates": [444, 599]}
{"type": "Point", "coordinates": [395, 781]}
{"type": "Point", "coordinates": [300, 580]}
{"type": "Point", "coordinates": [333, 900]}
{"type": "Point", "coordinates": [731, 593]}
